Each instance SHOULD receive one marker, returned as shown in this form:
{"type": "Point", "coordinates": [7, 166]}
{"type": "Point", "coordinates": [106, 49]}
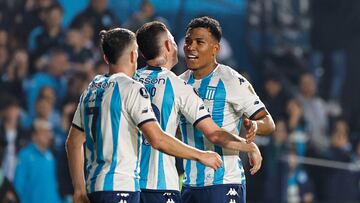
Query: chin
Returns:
{"type": "Point", "coordinates": [193, 68]}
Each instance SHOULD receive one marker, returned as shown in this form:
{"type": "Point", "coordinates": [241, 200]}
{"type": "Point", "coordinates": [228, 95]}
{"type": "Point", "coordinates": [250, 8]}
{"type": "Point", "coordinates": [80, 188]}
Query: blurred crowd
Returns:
{"type": "Point", "coordinates": [298, 51]}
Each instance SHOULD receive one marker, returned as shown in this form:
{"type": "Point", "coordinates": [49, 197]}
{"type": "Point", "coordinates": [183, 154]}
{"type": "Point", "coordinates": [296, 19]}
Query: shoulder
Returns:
{"type": "Point", "coordinates": [226, 72]}
{"type": "Point", "coordinates": [25, 152]}
{"type": "Point", "coordinates": [174, 79]}
{"type": "Point", "coordinates": [230, 76]}
{"type": "Point", "coordinates": [185, 75]}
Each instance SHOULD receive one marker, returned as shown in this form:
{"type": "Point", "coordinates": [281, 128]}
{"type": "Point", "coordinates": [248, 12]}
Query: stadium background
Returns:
{"type": "Point", "coordinates": [301, 56]}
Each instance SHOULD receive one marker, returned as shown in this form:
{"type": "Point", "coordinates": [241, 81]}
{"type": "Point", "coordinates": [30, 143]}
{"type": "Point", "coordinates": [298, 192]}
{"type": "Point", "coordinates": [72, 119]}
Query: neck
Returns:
{"type": "Point", "coordinates": [202, 72]}
{"type": "Point", "coordinates": [113, 69]}
{"type": "Point", "coordinates": [160, 62]}
{"type": "Point", "coordinates": [10, 125]}
{"type": "Point", "coordinates": [42, 147]}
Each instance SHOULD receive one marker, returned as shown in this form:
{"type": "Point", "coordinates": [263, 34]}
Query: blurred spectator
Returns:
{"type": "Point", "coordinates": [315, 113]}
{"type": "Point", "coordinates": [64, 180]}
{"type": "Point", "coordinates": [298, 130]}
{"type": "Point", "coordinates": [15, 73]}
{"type": "Point", "coordinates": [99, 17]}
{"type": "Point", "coordinates": [35, 177]}
{"type": "Point", "coordinates": [299, 186]}
{"type": "Point", "coordinates": [54, 77]}
{"type": "Point", "coordinates": [12, 136]}
{"type": "Point", "coordinates": [7, 190]}
{"type": "Point", "coordinates": [275, 96]}
{"type": "Point", "coordinates": [340, 185]}
{"type": "Point", "coordinates": [145, 14]}
{"type": "Point", "coordinates": [4, 60]}
{"type": "Point", "coordinates": [80, 56]}
{"type": "Point", "coordinates": [273, 164]}
{"type": "Point", "coordinates": [48, 36]}
{"type": "Point", "coordinates": [78, 82]}
{"type": "Point", "coordinates": [31, 14]}
{"type": "Point", "coordinates": [45, 107]}
{"type": "Point", "coordinates": [4, 36]}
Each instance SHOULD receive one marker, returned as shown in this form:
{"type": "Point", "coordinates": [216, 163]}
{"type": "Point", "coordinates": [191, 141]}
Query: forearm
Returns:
{"type": "Point", "coordinates": [75, 154]}
{"type": "Point", "coordinates": [265, 125]}
{"type": "Point", "coordinates": [174, 147]}
{"type": "Point", "coordinates": [76, 166]}
{"type": "Point", "coordinates": [230, 141]}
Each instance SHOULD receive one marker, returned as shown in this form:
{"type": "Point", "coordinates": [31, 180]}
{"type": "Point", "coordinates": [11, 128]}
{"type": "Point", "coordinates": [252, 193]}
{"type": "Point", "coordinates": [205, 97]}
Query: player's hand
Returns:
{"type": "Point", "coordinates": [80, 197]}
{"type": "Point", "coordinates": [251, 129]}
{"type": "Point", "coordinates": [255, 159]}
{"type": "Point", "coordinates": [210, 159]}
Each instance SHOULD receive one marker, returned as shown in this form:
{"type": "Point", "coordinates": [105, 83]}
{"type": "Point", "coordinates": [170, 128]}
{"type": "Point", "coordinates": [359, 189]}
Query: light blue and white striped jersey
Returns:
{"type": "Point", "coordinates": [170, 97]}
{"type": "Point", "coordinates": [110, 112]}
{"type": "Point", "coordinates": [227, 95]}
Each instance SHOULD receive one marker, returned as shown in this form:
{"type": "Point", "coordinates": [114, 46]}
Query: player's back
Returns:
{"type": "Point", "coordinates": [170, 98]}
{"type": "Point", "coordinates": [109, 115]}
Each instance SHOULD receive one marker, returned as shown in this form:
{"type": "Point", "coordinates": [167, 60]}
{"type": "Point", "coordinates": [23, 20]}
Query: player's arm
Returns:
{"type": "Point", "coordinates": [75, 154]}
{"type": "Point", "coordinates": [140, 110]}
{"type": "Point", "coordinates": [244, 100]}
{"type": "Point", "coordinates": [220, 137]}
{"type": "Point", "coordinates": [260, 123]}
{"type": "Point", "coordinates": [172, 146]}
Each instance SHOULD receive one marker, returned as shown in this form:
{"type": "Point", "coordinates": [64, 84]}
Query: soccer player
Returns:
{"type": "Point", "coordinates": [228, 96]}
{"type": "Point", "coordinates": [173, 100]}
{"type": "Point", "coordinates": [110, 113]}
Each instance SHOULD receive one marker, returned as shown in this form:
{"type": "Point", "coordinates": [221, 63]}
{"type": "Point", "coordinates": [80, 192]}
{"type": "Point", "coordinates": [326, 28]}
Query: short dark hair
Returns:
{"type": "Point", "coordinates": [114, 42]}
{"type": "Point", "coordinates": [148, 36]}
{"type": "Point", "coordinates": [209, 23]}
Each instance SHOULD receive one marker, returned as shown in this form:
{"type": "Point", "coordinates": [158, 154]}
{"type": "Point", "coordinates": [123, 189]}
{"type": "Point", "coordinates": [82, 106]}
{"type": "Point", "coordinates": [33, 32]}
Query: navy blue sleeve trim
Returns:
{"type": "Point", "coordinates": [200, 119]}
{"type": "Point", "coordinates": [145, 121]}
{"type": "Point", "coordinates": [77, 127]}
{"type": "Point", "coordinates": [256, 112]}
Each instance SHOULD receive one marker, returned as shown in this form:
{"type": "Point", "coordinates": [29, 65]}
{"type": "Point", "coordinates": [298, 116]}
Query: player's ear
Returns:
{"type": "Point", "coordinates": [168, 45]}
{"type": "Point", "coordinates": [133, 56]}
{"type": "Point", "coordinates": [216, 49]}
{"type": "Point", "coordinates": [106, 59]}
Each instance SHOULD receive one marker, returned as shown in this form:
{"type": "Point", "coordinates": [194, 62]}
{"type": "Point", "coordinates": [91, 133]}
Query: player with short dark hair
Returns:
{"type": "Point", "coordinates": [107, 121]}
{"type": "Point", "coordinates": [228, 96]}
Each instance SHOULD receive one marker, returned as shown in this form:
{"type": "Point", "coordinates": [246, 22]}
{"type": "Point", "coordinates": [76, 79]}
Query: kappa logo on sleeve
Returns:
{"type": "Point", "coordinates": [241, 80]}
{"type": "Point", "coordinates": [144, 93]}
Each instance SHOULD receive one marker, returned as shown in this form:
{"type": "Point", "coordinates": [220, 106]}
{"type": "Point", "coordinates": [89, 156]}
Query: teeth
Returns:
{"type": "Point", "coordinates": [192, 56]}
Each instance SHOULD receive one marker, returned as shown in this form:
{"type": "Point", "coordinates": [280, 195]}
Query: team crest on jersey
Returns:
{"type": "Point", "coordinates": [144, 93]}
{"type": "Point", "coordinates": [210, 93]}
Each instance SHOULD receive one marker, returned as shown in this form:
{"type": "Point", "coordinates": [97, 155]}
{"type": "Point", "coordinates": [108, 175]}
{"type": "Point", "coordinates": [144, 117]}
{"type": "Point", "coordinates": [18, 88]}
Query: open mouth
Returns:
{"type": "Point", "coordinates": [191, 57]}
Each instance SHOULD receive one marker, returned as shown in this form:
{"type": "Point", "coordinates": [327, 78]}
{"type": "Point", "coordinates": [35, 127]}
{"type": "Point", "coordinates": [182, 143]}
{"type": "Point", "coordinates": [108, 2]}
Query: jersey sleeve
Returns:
{"type": "Point", "coordinates": [77, 121]}
{"type": "Point", "coordinates": [139, 106]}
{"type": "Point", "coordinates": [243, 97]}
{"type": "Point", "coordinates": [190, 104]}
